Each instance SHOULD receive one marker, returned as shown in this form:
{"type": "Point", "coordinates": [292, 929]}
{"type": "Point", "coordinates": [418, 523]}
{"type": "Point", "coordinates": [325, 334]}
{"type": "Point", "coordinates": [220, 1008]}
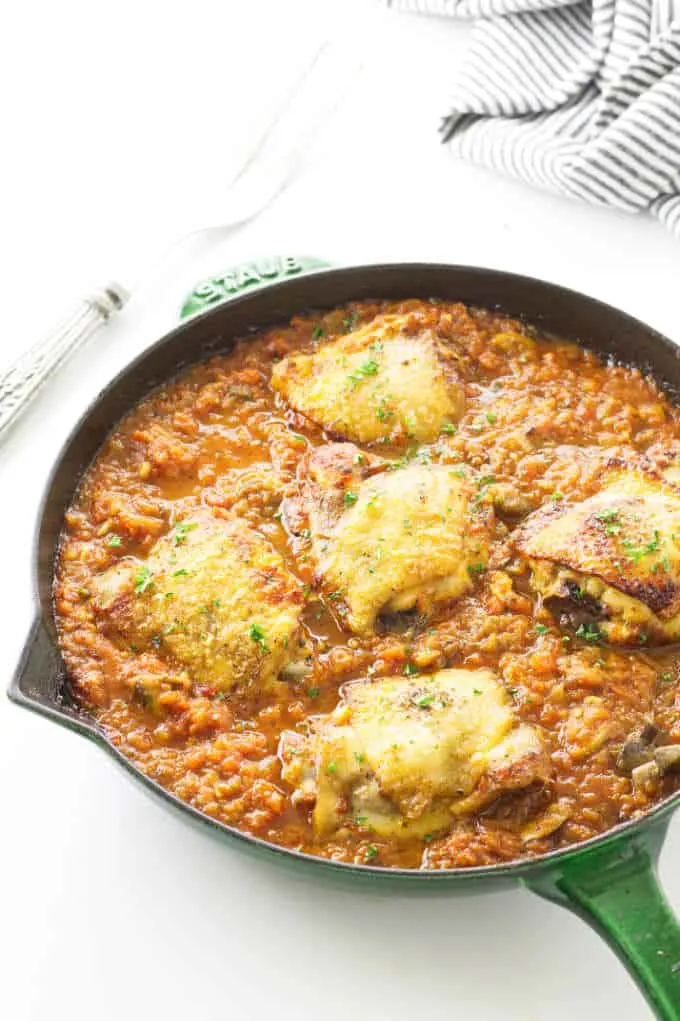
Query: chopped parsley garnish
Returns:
{"type": "Point", "coordinates": [610, 519]}
{"type": "Point", "coordinates": [359, 757]}
{"type": "Point", "coordinates": [351, 322]}
{"type": "Point", "coordinates": [638, 552]}
{"type": "Point", "coordinates": [317, 333]}
{"type": "Point", "coordinates": [482, 486]}
{"type": "Point", "coordinates": [491, 417]}
{"type": "Point", "coordinates": [477, 691]}
{"type": "Point", "coordinates": [368, 368]}
{"type": "Point", "coordinates": [178, 574]}
{"type": "Point", "coordinates": [666, 677]}
{"type": "Point", "coordinates": [114, 541]}
{"type": "Point", "coordinates": [360, 459]}
{"type": "Point", "coordinates": [181, 531]}
{"type": "Point", "coordinates": [541, 629]}
{"type": "Point", "coordinates": [448, 427]}
{"type": "Point", "coordinates": [332, 767]}
{"type": "Point", "coordinates": [383, 413]}
{"type": "Point", "coordinates": [410, 669]}
{"type": "Point", "coordinates": [476, 569]}
{"type": "Point", "coordinates": [424, 701]}
{"type": "Point", "coordinates": [349, 498]}
{"type": "Point", "coordinates": [143, 579]}
{"type": "Point", "coordinates": [589, 632]}
{"type": "Point", "coordinates": [557, 496]}
{"type": "Point", "coordinates": [313, 692]}
{"type": "Point", "coordinates": [371, 851]}
{"type": "Point", "coordinates": [258, 636]}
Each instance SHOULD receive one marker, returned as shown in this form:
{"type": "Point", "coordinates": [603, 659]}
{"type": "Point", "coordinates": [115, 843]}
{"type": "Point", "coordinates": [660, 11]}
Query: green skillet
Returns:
{"type": "Point", "coordinates": [610, 881]}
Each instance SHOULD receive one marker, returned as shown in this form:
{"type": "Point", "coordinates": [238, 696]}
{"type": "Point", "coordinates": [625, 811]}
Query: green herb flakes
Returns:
{"type": "Point", "coordinates": [258, 636]}
{"type": "Point", "coordinates": [589, 633]}
{"type": "Point", "coordinates": [368, 368]}
{"type": "Point", "coordinates": [143, 579]}
{"type": "Point", "coordinates": [180, 532]}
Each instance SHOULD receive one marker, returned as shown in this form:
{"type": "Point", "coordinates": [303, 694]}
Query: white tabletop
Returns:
{"type": "Point", "coordinates": [110, 906]}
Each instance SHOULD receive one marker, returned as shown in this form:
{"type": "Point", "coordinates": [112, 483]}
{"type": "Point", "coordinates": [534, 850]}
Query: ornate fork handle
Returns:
{"type": "Point", "coordinates": [22, 380]}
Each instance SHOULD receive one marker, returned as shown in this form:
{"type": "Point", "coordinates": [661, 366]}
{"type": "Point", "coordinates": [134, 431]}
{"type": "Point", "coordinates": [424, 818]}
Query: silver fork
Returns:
{"type": "Point", "coordinates": [265, 173]}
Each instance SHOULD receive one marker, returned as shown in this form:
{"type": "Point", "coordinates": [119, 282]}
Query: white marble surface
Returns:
{"type": "Point", "coordinates": [110, 907]}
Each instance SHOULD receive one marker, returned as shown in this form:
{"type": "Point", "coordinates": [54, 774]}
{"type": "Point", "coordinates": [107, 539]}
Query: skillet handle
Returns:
{"type": "Point", "coordinates": [616, 890]}
{"type": "Point", "coordinates": [38, 683]}
{"type": "Point", "coordinates": [247, 276]}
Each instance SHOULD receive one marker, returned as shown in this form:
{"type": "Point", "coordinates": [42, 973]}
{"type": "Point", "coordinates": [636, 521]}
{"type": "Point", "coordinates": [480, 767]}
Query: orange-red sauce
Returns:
{"type": "Point", "coordinates": [211, 437]}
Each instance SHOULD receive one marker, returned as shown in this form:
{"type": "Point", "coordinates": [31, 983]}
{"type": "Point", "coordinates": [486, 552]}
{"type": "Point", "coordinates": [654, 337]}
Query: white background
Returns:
{"type": "Point", "coordinates": [118, 120]}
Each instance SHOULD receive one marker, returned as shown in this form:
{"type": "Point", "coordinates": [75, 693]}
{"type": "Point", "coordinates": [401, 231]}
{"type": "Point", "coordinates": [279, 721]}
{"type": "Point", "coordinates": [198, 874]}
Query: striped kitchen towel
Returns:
{"type": "Point", "coordinates": [582, 97]}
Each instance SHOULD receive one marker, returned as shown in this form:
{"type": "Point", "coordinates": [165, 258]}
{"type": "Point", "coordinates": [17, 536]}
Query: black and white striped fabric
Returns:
{"type": "Point", "coordinates": [581, 97]}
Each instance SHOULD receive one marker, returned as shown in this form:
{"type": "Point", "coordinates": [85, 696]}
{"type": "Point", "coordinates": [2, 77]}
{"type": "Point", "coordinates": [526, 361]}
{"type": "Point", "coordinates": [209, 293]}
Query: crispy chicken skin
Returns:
{"type": "Point", "coordinates": [380, 381]}
{"type": "Point", "coordinates": [214, 596]}
{"type": "Point", "coordinates": [387, 541]}
{"type": "Point", "coordinates": [615, 555]}
{"type": "Point", "coordinates": [404, 756]}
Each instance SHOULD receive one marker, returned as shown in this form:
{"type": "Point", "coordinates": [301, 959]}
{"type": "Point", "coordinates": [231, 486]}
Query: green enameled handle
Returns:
{"type": "Point", "coordinates": [247, 276]}
{"type": "Point", "coordinates": [616, 890]}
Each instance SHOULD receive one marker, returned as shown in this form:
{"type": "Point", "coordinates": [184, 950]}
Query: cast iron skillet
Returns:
{"type": "Point", "coordinates": [610, 880]}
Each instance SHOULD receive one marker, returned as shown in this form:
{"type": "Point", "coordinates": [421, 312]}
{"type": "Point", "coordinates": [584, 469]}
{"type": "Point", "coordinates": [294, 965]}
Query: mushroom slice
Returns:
{"type": "Point", "coordinates": [667, 757]}
{"type": "Point", "coordinates": [646, 778]}
{"type": "Point", "coordinates": [637, 748]}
